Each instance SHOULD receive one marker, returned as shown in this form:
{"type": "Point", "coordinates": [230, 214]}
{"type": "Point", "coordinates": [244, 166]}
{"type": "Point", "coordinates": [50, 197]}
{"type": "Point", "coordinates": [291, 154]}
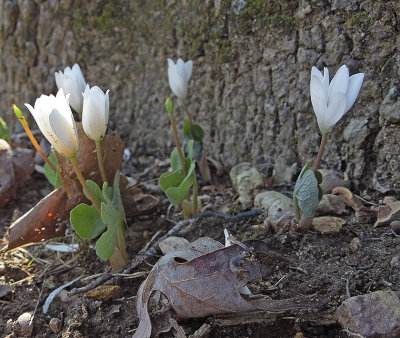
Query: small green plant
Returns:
{"type": "Point", "coordinates": [330, 102]}
{"type": "Point", "coordinates": [105, 217]}
{"type": "Point", "coordinates": [179, 181]}
{"type": "Point", "coordinates": [178, 77]}
{"type": "Point", "coordinates": [4, 132]}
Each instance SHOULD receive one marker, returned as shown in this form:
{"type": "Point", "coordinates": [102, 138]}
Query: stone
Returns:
{"type": "Point", "coordinates": [247, 181]}
{"type": "Point", "coordinates": [172, 243]}
{"type": "Point", "coordinates": [104, 292]}
{"type": "Point", "coordinates": [332, 179]}
{"type": "Point", "coordinates": [395, 225]}
{"type": "Point", "coordinates": [23, 325]}
{"type": "Point", "coordinates": [390, 107]}
{"type": "Point", "coordinates": [55, 325]}
{"type": "Point", "coordinates": [355, 244]}
{"type": "Point", "coordinates": [328, 224]}
{"type": "Point", "coordinates": [276, 205]}
{"type": "Point", "coordinates": [376, 314]}
{"type": "Point", "coordinates": [331, 205]}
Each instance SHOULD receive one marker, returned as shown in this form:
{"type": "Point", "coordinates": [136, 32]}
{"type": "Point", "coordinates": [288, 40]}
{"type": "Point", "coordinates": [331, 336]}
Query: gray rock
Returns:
{"type": "Point", "coordinates": [332, 179]}
{"type": "Point", "coordinates": [376, 314]}
{"type": "Point", "coordinates": [331, 205]}
{"type": "Point", "coordinates": [277, 206]}
{"type": "Point", "coordinates": [390, 108]}
{"type": "Point", "coordinates": [247, 181]}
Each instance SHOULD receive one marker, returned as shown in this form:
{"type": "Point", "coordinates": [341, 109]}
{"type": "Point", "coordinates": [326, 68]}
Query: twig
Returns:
{"type": "Point", "coordinates": [152, 251]}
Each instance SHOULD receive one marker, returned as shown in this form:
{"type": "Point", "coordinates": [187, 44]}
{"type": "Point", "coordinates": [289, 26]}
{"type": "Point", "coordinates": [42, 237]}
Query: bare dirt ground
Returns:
{"type": "Point", "coordinates": [354, 261]}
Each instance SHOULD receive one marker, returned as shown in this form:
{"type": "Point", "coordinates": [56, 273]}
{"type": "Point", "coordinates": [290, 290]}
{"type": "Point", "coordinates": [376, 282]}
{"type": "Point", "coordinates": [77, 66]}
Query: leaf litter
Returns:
{"type": "Point", "coordinates": [204, 278]}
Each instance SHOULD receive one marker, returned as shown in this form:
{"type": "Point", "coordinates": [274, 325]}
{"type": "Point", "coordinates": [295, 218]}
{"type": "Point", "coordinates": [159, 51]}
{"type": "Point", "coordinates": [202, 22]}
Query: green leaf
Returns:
{"type": "Point", "coordinates": [175, 161]}
{"type": "Point", "coordinates": [176, 186]}
{"type": "Point", "coordinates": [105, 245]}
{"type": "Point", "coordinates": [195, 133]}
{"type": "Point", "coordinates": [190, 151]}
{"type": "Point", "coordinates": [186, 129]}
{"type": "Point", "coordinates": [318, 176]}
{"type": "Point", "coordinates": [198, 132]}
{"type": "Point", "coordinates": [306, 192]}
{"type": "Point", "coordinates": [198, 150]}
{"type": "Point", "coordinates": [95, 190]}
{"type": "Point", "coordinates": [4, 132]}
{"type": "Point", "coordinates": [52, 177]}
{"type": "Point", "coordinates": [86, 221]}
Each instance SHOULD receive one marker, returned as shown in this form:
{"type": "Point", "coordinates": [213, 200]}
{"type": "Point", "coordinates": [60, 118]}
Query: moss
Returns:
{"type": "Point", "coordinates": [103, 23]}
{"type": "Point", "coordinates": [263, 15]}
{"type": "Point", "coordinates": [360, 20]}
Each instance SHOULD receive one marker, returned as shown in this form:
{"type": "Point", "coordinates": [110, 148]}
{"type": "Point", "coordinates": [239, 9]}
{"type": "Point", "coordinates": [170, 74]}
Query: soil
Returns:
{"type": "Point", "coordinates": [354, 261]}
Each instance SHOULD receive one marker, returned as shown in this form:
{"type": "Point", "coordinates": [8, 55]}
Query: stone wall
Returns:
{"type": "Point", "coordinates": [250, 83]}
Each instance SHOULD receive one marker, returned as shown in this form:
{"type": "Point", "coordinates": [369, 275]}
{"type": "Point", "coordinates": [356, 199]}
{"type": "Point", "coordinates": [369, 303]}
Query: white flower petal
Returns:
{"type": "Point", "coordinates": [336, 109]}
{"type": "Point", "coordinates": [95, 112]}
{"type": "Point", "coordinates": [339, 83]}
{"type": "Point", "coordinates": [325, 82]}
{"type": "Point", "coordinates": [318, 99]}
{"type": "Point", "coordinates": [178, 77]}
{"type": "Point", "coordinates": [65, 139]}
{"type": "Point", "coordinates": [355, 82]}
{"type": "Point", "coordinates": [73, 83]}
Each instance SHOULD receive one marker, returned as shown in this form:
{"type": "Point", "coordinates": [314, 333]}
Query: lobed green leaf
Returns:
{"type": "Point", "coordinates": [86, 221]}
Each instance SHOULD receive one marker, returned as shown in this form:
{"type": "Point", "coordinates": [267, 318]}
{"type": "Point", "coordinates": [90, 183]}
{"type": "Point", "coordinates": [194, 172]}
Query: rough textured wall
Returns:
{"type": "Point", "coordinates": [250, 84]}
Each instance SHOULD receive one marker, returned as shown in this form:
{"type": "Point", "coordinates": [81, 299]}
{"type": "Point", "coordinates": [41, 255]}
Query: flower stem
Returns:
{"type": "Point", "coordinates": [178, 143]}
{"type": "Point", "coordinates": [195, 193]}
{"type": "Point", "coordinates": [84, 185]}
{"type": "Point", "coordinates": [100, 160]}
{"type": "Point", "coordinates": [321, 150]}
{"type": "Point", "coordinates": [31, 137]}
{"type": "Point", "coordinates": [188, 115]}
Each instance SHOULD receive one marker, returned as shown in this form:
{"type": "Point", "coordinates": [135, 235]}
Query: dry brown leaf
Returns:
{"type": "Point", "coordinates": [39, 223]}
{"type": "Point", "coordinates": [7, 179]}
{"type": "Point", "coordinates": [364, 214]}
{"type": "Point", "coordinates": [388, 212]}
{"type": "Point", "coordinates": [204, 279]}
{"type": "Point", "coordinates": [113, 151]}
{"type": "Point", "coordinates": [137, 203]}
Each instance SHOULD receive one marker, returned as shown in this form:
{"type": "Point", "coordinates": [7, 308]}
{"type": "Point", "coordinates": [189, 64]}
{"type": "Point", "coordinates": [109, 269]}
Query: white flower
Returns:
{"type": "Point", "coordinates": [332, 101]}
{"type": "Point", "coordinates": [95, 112]}
{"type": "Point", "coordinates": [73, 83]}
{"type": "Point", "coordinates": [54, 118]}
{"type": "Point", "coordinates": [178, 76]}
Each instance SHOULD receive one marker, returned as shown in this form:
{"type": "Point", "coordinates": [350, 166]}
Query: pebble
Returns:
{"type": "Point", "coordinates": [23, 327]}
{"type": "Point", "coordinates": [395, 261]}
{"type": "Point", "coordinates": [376, 314]}
{"type": "Point", "coordinates": [395, 225]}
{"type": "Point", "coordinates": [55, 325]}
{"type": "Point", "coordinates": [355, 244]}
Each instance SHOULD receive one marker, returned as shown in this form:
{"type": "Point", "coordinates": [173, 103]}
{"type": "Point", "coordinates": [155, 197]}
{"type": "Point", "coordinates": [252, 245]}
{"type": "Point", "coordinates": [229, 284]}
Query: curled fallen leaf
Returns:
{"type": "Point", "coordinates": [388, 212]}
{"type": "Point", "coordinates": [364, 214]}
{"type": "Point", "coordinates": [204, 279]}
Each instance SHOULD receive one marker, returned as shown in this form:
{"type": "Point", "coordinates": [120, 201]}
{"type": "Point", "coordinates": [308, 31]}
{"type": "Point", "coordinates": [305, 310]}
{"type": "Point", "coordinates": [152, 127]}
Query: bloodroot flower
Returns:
{"type": "Point", "coordinates": [332, 100]}
{"type": "Point", "coordinates": [54, 119]}
{"type": "Point", "coordinates": [73, 83]}
{"type": "Point", "coordinates": [179, 75]}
